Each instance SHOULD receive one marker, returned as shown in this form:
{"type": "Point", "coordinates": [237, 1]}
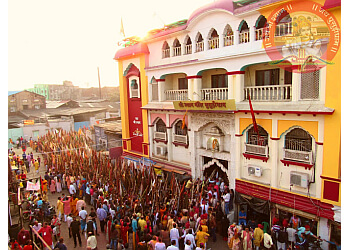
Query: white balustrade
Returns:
{"type": "Point", "coordinates": [188, 49]}
{"type": "Point", "coordinates": [213, 43]}
{"type": "Point", "coordinates": [296, 155]}
{"type": "Point", "coordinates": [257, 149]}
{"type": "Point", "coordinates": [215, 94]}
{"type": "Point", "coordinates": [176, 95]}
{"type": "Point", "coordinates": [244, 36]}
{"type": "Point", "coordinates": [283, 29]}
{"type": "Point", "coordinates": [166, 53]}
{"type": "Point", "coordinates": [160, 136]}
{"type": "Point", "coordinates": [269, 93]}
{"type": "Point", "coordinates": [200, 46]}
{"type": "Point", "coordinates": [260, 35]}
{"type": "Point", "coordinates": [180, 138]}
{"type": "Point", "coordinates": [177, 51]}
{"type": "Point", "coordinates": [228, 40]}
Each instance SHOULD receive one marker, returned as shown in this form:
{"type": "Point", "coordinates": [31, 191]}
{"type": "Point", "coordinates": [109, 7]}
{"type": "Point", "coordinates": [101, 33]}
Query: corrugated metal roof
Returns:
{"type": "Point", "coordinates": [113, 126]}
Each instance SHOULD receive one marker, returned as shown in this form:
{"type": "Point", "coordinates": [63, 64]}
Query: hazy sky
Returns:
{"type": "Point", "coordinates": [53, 41]}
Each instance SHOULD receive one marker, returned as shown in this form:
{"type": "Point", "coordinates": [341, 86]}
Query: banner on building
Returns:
{"type": "Point", "coordinates": [33, 187]}
{"type": "Point", "coordinates": [205, 105]}
{"type": "Point", "coordinates": [28, 122]}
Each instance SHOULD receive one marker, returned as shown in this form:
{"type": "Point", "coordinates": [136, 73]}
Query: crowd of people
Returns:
{"type": "Point", "coordinates": [137, 206]}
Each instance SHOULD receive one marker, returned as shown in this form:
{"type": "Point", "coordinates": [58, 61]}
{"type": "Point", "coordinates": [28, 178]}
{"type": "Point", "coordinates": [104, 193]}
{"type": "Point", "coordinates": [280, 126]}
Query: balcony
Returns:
{"type": "Point", "coordinates": [244, 37]}
{"type": "Point", "coordinates": [214, 43]}
{"type": "Point", "coordinates": [166, 53]}
{"type": "Point", "coordinates": [214, 94]}
{"type": "Point", "coordinates": [259, 34]}
{"type": "Point", "coordinates": [160, 136]}
{"type": "Point", "coordinates": [188, 49]}
{"type": "Point", "coordinates": [180, 138]}
{"type": "Point", "coordinates": [176, 95]}
{"type": "Point", "coordinates": [257, 149]}
{"type": "Point", "coordinates": [269, 93]}
{"type": "Point", "coordinates": [228, 40]}
{"type": "Point", "coordinates": [283, 29]}
{"type": "Point", "coordinates": [304, 158]}
{"type": "Point", "coordinates": [200, 46]}
{"type": "Point", "coordinates": [177, 51]}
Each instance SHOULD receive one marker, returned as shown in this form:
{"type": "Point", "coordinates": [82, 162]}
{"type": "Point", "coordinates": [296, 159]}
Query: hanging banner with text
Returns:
{"type": "Point", "coordinates": [205, 105]}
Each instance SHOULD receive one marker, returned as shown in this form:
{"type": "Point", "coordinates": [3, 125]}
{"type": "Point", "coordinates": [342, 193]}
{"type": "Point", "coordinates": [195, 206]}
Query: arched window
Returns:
{"type": "Point", "coordinates": [177, 47]}
{"type": "Point", "coordinates": [199, 43]}
{"type": "Point", "coordinates": [299, 140]}
{"type": "Point", "coordinates": [179, 130]}
{"type": "Point", "coordinates": [213, 39]}
{"type": "Point", "coordinates": [244, 36]}
{"type": "Point", "coordinates": [284, 25]}
{"type": "Point", "coordinates": [228, 36]}
{"type": "Point", "coordinates": [188, 46]}
{"type": "Point", "coordinates": [165, 50]}
{"type": "Point", "coordinates": [160, 126]}
{"type": "Point", "coordinates": [259, 28]}
{"type": "Point", "coordinates": [254, 139]}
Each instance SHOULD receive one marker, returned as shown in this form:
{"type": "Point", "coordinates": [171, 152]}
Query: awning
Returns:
{"type": "Point", "coordinates": [298, 212]}
{"type": "Point", "coordinates": [258, 205]}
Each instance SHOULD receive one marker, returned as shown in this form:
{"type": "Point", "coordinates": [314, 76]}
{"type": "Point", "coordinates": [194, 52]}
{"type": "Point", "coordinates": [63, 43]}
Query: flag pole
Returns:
{"type": "Point", "coordinates": [256, 129]}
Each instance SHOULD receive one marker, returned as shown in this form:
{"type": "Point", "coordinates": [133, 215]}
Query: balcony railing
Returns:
{"type": "Point", "coordinates": [228, 40]}
{"type": "Point", "coordinates": [295, 155]}
{"type": "Point", "coordinates": [257, 149]}
{"type": "Point", "coordinates": [176, 95]}
{"type": "Point", "coordinates": [188, 49]}
{"type": "Point", "coordinates": [166, 53]}
{"type": "Point", "coordinates": [177, 51]}
{"type": "Point", "coordinates": [200, 46]}
{"type": "Point", "coordinates": [160, 136]}
{"type": "Point", "coordinates": [244, 37]}
{"type": "Point", "coordinates": [260, 35]}
{"type": "Point", "coordinates": [214, 94]}
{"type": "Point", "coordinates": [180, 138]}
{"type": "Point", "coordinates": [214, 43]}
{"type": "Point", "coordinates": [269, 93]}
{"type": "Point", "coordinates": [283, 29]}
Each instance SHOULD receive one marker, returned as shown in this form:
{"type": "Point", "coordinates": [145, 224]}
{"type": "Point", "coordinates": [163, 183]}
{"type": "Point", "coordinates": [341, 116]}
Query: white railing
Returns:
{"type": "Point", "coordinates": [295, 155]}
{"type": "Point", "coordinates": [260, 35]}
{"type": "Point", "coordinates": [177, 51]}
{"type": "Point", "coordinates": [176, 95]}
{"type": "Point", "coordinates": [268, 93]}
{"type": "Point", "coordinates": [244, 37]}
{"type": "Point", "coordinates": [160, 135]}
{"type": "Point", "coordinates": [188, 49]}
{"type": "Point", "coordinates": [166, 53]}
{"type": "Point", "coordinates": [180, 138]}
{"type": "Point", "coordinates": [256, 149]}
{"type": "Point", "coordinates": [214, 94]}
{"type": "Point", "coordinates": [214, 43]}
{"type": "Point", "coordinates": [228, 40]}
{"type": "Point", "coordinates": [283, 29]}
{"type": "Point", "coordinates": [200, 46]}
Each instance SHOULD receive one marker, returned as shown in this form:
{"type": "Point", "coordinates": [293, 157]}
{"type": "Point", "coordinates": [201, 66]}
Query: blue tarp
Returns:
{"type": "Point", "coordinates": [78, 125]}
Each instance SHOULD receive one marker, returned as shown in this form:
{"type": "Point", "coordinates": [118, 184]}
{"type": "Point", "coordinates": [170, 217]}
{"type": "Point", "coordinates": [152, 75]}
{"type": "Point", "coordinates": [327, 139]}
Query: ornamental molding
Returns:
{"type": "Point", "coordinates": [223, 121]}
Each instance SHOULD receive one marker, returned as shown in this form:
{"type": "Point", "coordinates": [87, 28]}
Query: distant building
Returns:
{"type": "Point", "coordinates": [66, 91]}
{"type": "Point", "coordinates": [25, 100]}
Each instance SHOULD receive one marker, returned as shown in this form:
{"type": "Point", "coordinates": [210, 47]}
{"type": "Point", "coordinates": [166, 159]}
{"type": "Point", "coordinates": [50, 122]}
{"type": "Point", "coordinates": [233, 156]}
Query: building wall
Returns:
{"type": "Point", "coordinates": [26, 100]}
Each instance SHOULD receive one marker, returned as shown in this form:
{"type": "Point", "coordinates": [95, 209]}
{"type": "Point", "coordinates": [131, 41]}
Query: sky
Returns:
{"type": "Point", "coordinates": [53, 41]}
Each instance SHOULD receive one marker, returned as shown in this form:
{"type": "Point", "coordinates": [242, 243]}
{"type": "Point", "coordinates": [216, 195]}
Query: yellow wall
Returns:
{"type": "Point", "coordinates": [332, 124]}
{"type": "Point", "coordinates": [144, 100]}
{"type": "Point", "coordinates": [123, 102]}
{"type": "Point", "coordinates": [265, 123]}
{"type": "Point", "coordinates": [309, 126]}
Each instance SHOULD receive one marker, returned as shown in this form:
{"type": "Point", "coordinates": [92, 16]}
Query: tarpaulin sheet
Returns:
{"type": "Point", "coordinates": [258, 205]}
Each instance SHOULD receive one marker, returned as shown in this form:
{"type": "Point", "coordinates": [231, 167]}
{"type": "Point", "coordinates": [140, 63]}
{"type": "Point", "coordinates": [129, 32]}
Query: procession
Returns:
{"type": "Point", "coordinates": [116, 204]}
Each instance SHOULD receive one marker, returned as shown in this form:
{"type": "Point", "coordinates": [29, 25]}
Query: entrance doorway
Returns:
{"type": "Point", "coordinates": [211, 165]}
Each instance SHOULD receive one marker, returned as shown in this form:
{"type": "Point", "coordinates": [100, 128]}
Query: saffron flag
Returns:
{"type": "Point", "coordinates": [184, 120]}
{"type": "Point", "coordinates": [122, 33]}
{"type": "Point", "coordinates": [253, 116]}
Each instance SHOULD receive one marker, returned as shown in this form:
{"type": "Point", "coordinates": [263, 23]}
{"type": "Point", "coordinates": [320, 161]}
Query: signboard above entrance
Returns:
{"type": "Point", "coordinates": [205, 105]}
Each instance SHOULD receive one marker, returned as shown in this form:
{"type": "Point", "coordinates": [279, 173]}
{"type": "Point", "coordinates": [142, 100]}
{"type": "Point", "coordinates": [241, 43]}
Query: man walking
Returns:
{"type": "Point", "coordinates": [75, 226]}
{"type": "Point", "coordinates": [101, 215]}
{"type": "Point", "coordinates": [83, 214]}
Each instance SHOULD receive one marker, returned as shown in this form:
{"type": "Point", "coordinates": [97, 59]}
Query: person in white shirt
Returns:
{"type": "Point", "coordinates": [227, 197]}
{"type": "Point", "coordinates": [267, 241]}
{"type": "Point", "coordinates": [91, 242]}
{"type": "Point", "coordinates": [190, 237]}
{"type": "Point", "coordinates": [160, 245]}
{"type": "Point", "coordinates": [174, 234]}
{"type": "Point", "coordinates": [72, 190]}
{"type": "Point", "coordinates": [83, 214]}
{"type": "Point", "coordinates": [69, 221]}
{"type": "Point", "coordinates": [173, 246]}
{"type": "Point", "coordinates": [291, 235]}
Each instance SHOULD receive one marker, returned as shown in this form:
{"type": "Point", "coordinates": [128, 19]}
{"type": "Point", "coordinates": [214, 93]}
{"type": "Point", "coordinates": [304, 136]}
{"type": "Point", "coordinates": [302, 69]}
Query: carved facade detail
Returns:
{"type": "Point", "coordinates": [223, 121]}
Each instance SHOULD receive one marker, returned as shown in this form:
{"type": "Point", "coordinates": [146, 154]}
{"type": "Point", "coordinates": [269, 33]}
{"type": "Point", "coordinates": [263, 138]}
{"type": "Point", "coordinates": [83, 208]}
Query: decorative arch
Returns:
{"type": "Point", "coordinates": [155, 120]}
{"type": "Point", "coordinates": [165, 45]}
{"type": "Point", "coordinates": [160, 125]}
{"type": "Point", "coordinates": [200, 73]}
{"type": "Point", "coordinates": [199, 37]}
{"type": "Point", "coordinates": [228, 30]}
{"type": "Point", "coordinates": [187, 40]}
{"type": "Point", "coordinates": [297, 138]}
{"type": "Point", "coordinates": [213, 33]}
{"type": "Point", "coordinates": [176, 43]}
{"type": "Point", "coordinates": [131, 70]}
{"type": "Point", "coordinates": [243, 26]}
{"type": "Point", "coordinates": [260, 22]}
{"type": "Point", "coordinates": [153, 80]}
{"type": "Point", "coordinates": [252, 138]}
{"type": "Point", "coordinates": [215, 161]}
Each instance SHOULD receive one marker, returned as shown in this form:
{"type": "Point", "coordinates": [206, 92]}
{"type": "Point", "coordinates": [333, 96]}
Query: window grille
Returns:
{"type": "Point", "coordinates": [299, 140]}
{"type": "Point", "coordinates": [253, 136]}
{"type": "Point", "coordinates": [160, 126]}
{"type": "Point", "coordinates": [310, 85]}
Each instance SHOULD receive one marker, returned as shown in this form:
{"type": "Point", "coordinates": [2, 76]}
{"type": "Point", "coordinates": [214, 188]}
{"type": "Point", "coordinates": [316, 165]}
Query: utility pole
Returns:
{"type": "Point", "coordinates": [99, 83]}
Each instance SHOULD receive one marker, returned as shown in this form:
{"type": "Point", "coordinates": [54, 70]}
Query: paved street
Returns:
{"type": "Point", "coordinates": [101, 239]}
